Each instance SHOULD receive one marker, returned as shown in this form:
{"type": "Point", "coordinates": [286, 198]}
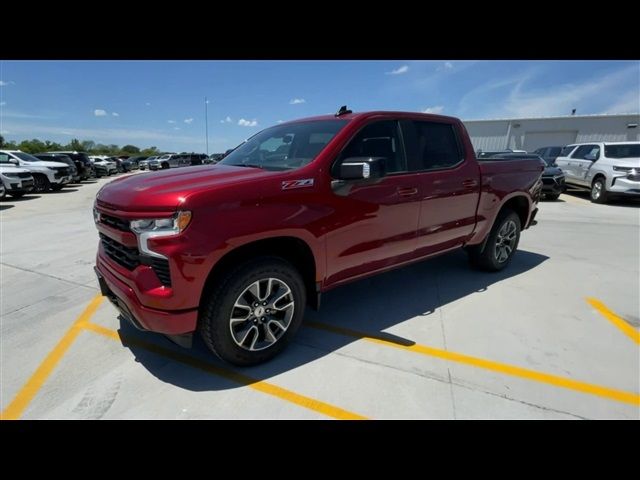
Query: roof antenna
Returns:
{"type": "Point", "coordinates": [343, 111]}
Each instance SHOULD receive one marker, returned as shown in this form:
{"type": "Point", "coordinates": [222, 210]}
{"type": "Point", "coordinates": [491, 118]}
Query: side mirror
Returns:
{"type": "Point", "coordinates": [361, 168]}
{"type": "Point", "coordinates": [14, 161]}
{"type": "Point", "coordinates": [591, 157]}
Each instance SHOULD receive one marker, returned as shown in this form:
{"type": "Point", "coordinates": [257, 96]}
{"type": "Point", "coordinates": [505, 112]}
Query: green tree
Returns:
{"type": "Point", "coordinates": [88, 145]}
{"type": "Point", "coordinates": [32, 146]}
{"type": "Point", "coordinates": [130, 149]}
{"type": "Point", "coordinates": [150, 151]}
{"type": "Point", "coordinates": [74, 145]}
{"type": "Point", "coordinates": [1, 141]}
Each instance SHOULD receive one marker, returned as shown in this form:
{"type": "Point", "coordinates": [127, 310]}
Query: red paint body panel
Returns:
{"type": "Point", "coordinates": [353, 229]}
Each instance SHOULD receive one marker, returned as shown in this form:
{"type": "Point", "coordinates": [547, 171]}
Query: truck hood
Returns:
{"type": "Point", "coordinates": [4, 168]}
{"type": "Point", "coordinates": [43, 163]}
{"type": "Point", "coordinates": [168, 189]}
{"type": "Point", "coordinates": [551, 172]}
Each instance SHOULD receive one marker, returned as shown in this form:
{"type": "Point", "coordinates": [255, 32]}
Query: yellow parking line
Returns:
{"type": "Point", "coordinates": [619, 322]}
{"type": "Point", "coordinates": [583, 387]}
{"type": "Point", "coordinates": [15, 409]}
{"type": "Point", "coordinates": [264, 387]}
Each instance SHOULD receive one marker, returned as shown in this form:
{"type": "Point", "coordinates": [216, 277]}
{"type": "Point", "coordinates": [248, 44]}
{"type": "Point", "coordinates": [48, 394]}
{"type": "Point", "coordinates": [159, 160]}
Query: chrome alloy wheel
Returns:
{"type": "Point", "coordinates": [505, 241]}
{"type": "Point", "coordinates": [261, 314]}
{"type": "Point", "coordinates": [596, 191]}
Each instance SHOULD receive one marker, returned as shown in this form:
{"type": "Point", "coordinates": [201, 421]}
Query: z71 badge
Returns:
{"type": "Point", "coordinates": [289, 184]}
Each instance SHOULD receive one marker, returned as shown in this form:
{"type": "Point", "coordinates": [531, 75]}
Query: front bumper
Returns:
{"type": "Point", "coordinates": [62, 180]}
{"type": "Point", "coordinates": [553, 185]}
{"type": "Point", "coordinates": [143, 318]}
{"type": "Point", "coordinates": [18, 185]}
{"type": "Point", "coordinates": [624, 186]}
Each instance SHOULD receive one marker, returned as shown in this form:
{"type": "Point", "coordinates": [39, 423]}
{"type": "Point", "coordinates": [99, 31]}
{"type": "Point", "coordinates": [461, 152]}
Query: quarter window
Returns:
{"type": "Point", "coordinates": [436, 146]}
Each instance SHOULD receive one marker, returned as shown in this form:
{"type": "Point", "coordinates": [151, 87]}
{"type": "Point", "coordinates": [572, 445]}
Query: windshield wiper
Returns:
{"type": "Point", "coordinates": [251, 165]}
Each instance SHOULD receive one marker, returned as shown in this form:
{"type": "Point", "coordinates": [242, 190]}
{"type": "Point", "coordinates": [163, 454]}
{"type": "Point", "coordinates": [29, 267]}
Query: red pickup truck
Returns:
{"type": "Point", "coordinates": [237, 250]}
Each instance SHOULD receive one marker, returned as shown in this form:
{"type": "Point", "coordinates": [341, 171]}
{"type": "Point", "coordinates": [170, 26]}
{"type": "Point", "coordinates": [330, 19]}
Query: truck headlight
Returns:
{"type": "Point", "coordinates": [147, 228]}
{"type": "Point", "coordinates": [622, 169]}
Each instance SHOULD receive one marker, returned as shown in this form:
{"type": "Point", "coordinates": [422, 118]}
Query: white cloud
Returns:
{"type": "Point", "coordinates": [2, 104]}
{"type": "Point", "coordinates": [4, 84]}
{"type": "Point", "coordinates": [297, 101]}
{"type": "Point", "coordinates": [435, 109]}
{"type": "Point", "coordinates": [399, 70]}
{"type": "Point", "coordinates": [448, 65]}
{"type": "Point", "coordinates": [171, 121]}
{"type": "Point", "coordinates": [280, 121]}
{"type": "Point", "coordinates": [115, 114]}
{"type": "Point", "coordinates": [98, 112]}
{"type": "Point", "coordinates": [627, 103]}
{"type": "Point", "coordinates": [188, 121]}
{"type": "Point", "coordinates": [226, 120]}
{"type": "Point", "coordinates": [148, 104]}
{"type": "Point", "coordinates": [247, 123]}
{"type": "Point", "coordinates": [176, 128]}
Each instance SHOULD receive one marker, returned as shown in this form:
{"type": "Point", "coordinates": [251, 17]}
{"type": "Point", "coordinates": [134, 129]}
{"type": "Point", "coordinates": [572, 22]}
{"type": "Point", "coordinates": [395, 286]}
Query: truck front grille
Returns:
{"type": "Point", "coordinates": [130, 258]}
{"type": "Point", "coordinates": [115, 222]}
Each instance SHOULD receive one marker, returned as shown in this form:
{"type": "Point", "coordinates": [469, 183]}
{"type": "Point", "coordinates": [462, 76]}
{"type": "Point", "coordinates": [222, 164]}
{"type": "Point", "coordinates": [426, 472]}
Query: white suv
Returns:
{"type": "Point", "coordinates": [46, 175]}
{"type": "Point", "coordinates": [606, 168]}
{"type": "Point", "coordinates": [15, 181]}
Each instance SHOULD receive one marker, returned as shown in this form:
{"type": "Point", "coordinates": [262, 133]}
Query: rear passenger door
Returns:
{"type": "Point", "coordinates": [565, 163]}
{"type": "Point", "coordinates": [449, 184]}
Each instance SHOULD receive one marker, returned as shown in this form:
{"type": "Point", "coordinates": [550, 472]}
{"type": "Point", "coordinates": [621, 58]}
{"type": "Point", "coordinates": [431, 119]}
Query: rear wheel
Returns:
{"type": "Point", "coordinates": [17, 194]}
{"type": "Point", "coordinates": [254, 311]}
{"type": "Point", "coordinates": [501, 243]}
{"type": "Point", "coordinates": [57, 187]}
{"type": "Point", "coordinates": [599, 192]}
{"type": "Point", "coordinates": [41, 183]}
{"type": "Point", "coordinates": [165, 165]}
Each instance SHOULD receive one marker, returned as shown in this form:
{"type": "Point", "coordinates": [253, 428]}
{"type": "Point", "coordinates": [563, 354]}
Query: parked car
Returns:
{"type": "Point", "coordinates": [607, 169]}
{"type": "Point", "coordinates": [62, 158]}
{"type": "Point", "coordinates": [237, 250]}
{"type": "Point", "coordinates": [104, 166]}
{"type": "Point", "coordinates": [553, 179]}
{"type": "Point", "coordinates": [15, 181]}
{"type": "Point", "coordinates": [144, 164]}
{"type": "Point", "coordinates": [135, 161]}
{"type": "Point", "coordinates": [176, 160]}
{"type": "Point", "coordinates": [3, 192]}
{"type": "Point", "coordinates": [83, 164]}
{"type": "Point", "coordinates": [215, 158]}
{"type": "Point", "coordinates": [46, 175]}
{"type": "Point", "coordinates": [549, 154]}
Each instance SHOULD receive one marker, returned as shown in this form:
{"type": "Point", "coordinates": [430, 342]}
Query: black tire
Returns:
{"type": "Point", "coordinates": [165, 165]}
{"type": "Point", "coordinates": [487, 259]}
{"type": "Point", "coordinates": [552, 196]}
{"type": "Point", "coordinates": [57, 187]}
{"type": "Point", "coordinates": [17, 194]}
{"type": "Point", "coordinates": [41, 183]}
{"type": "Point", "coordinates": [599, 192]}
{"type": "Point", "coordinates": [218, 306]}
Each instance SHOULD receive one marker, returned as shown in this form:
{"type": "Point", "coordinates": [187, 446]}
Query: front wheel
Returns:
{"type": "Point", "coordinates": [254, 311]}
{"type": "Point", "coordinates": [501, 243]}
{"type": "Point", "coordinates": [57, 187]}
{"type": "Point", "coordinates": [17, 194]}
{"type": "Point", "coordinates": [599, 191]}
{"type": "Point", "coordinates": [552, 196]}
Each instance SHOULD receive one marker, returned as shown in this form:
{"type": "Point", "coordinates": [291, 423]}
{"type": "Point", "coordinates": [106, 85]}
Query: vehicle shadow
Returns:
{"type": "Point", "coordinates": [64, 190]}
{"type": "Point", "coordinates": [614, 201]}
{"type": "Point", "coordinates": [371, 305]}
{"type": "Point", "coordinates": [24, 198]}
{"type": "Point", "coordinates": [5, 207]}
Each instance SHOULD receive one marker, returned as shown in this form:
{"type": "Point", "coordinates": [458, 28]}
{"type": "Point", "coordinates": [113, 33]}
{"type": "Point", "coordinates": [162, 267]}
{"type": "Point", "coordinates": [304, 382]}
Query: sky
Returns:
{"type": "Point", "coordinates": [161, 103]}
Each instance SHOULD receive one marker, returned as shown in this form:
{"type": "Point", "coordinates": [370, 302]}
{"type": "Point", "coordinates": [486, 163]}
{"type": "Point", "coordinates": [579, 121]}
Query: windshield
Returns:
{"type": "Point", "coordinates": [26, 157]}
{"type": "Point", "coordinates": [285, 147]}
{"type": "Point", "coordinates": [624, 150]}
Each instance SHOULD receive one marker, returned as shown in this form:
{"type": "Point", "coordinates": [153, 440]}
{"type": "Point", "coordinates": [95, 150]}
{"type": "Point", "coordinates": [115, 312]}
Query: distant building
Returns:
{"type": "Point", "coordinates": [531, 133]}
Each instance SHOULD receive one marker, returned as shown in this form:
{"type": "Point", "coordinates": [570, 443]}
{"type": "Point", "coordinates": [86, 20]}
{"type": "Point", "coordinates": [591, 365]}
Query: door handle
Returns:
{"type": "Point", "coordinates": [469, 183]}
{"type": "Point", "coordinates": [407, 191]}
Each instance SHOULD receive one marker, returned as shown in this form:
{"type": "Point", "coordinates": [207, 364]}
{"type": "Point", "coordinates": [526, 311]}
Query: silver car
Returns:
{"type": "Point", "coordinates": [605, 168]}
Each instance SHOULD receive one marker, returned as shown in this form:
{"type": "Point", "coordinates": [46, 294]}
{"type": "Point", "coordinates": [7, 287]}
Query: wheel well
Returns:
{"type": "Point", "coordinates": [599, 175]}
{"type": "Point", "coordinates": [520, 205]}
{"type": "Point", "coordinates": [292, 249]}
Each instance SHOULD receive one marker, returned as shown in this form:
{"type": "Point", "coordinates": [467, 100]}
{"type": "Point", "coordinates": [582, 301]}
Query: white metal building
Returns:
{"type": "Point", "coordinates": [531, 133]}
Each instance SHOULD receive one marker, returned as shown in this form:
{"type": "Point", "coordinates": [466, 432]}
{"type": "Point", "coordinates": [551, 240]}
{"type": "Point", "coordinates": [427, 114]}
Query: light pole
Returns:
{"type": "Point", "coordinates": [206, 122]}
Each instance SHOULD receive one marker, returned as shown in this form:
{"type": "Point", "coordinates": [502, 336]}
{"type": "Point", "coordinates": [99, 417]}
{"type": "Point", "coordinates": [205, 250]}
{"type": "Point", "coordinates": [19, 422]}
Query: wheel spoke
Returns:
{"type": "Point", "coordinates": [246, 335]}
{"type": "Point", "coordinates": [269, 334]}
{"type": "Point", "coordinates": [277, 324]}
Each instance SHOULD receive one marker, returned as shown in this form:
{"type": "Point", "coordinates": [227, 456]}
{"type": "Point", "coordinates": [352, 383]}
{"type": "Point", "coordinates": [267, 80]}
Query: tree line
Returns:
{"type": "Point", "coordinates": [89, 146]}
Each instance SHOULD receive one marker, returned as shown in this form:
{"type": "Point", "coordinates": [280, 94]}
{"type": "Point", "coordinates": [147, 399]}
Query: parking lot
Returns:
{"type": "Point", "coordinates": [554, 336]}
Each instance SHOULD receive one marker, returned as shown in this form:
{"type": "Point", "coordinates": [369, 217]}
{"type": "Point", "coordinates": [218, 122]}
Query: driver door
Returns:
{"type": "Point", "coordinates": [374, 222]}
